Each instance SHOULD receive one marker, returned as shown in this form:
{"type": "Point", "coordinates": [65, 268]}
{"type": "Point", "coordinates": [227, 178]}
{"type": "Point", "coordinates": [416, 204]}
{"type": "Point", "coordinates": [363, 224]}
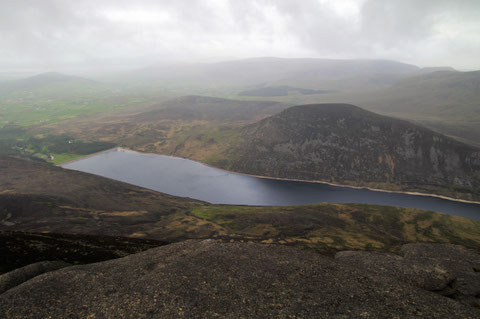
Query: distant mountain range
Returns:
{"type": "Point", "coordinates": [276, 71]}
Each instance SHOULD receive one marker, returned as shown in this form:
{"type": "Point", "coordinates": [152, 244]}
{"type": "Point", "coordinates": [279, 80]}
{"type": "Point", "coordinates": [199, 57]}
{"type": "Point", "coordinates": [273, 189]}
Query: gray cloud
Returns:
{"type": "Point", "coordinates": [60, 33]}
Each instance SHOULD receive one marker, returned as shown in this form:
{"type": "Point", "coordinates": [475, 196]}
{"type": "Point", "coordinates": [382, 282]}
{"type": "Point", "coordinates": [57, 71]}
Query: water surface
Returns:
{"type": "Point", "coordinates": [186, 178]}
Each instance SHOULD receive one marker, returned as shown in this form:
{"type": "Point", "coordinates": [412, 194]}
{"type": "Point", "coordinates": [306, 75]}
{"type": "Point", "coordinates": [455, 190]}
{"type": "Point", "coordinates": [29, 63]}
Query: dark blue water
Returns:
{"type": "Point", "coordinates": [182, 177]}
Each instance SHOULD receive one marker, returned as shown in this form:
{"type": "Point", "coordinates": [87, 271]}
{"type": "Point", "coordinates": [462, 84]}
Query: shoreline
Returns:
{"type": "Point", "coordinates": [88, 156]}
{"type": "Point", "coordinates": [284, 179]}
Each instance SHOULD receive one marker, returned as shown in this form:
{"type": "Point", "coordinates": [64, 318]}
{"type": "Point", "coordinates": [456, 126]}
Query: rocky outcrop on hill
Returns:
{"type": "Point", "coordinates": [342, 143]}
{"type": "Point", "coordinates": [448, 270]}
{"type": "Point", "coordinates": [205, 279]}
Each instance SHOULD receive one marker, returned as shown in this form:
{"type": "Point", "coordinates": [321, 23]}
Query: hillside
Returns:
{"type": "Point", "coordinates": [345, 144]}
{"type": "Point", "coordinates": [188, 120]}
{"type": "Point", "coordinates": [36, 196]}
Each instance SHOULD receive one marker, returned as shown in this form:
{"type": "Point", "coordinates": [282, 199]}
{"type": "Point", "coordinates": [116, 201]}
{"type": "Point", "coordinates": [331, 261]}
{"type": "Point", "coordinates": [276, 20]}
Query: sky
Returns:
{"type": "Point", "coordinates": [56, 34]}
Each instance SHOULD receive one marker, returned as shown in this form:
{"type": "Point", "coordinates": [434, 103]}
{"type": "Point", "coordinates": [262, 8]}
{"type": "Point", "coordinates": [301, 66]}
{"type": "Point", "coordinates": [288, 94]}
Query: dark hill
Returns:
{"type": "Point", "coordinates": [343, 143]}
{"type": "Point", "coordinates": [207, 279]}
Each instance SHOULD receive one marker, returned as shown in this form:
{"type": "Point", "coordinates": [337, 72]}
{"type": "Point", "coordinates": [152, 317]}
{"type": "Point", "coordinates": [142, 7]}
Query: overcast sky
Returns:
{"type": "Point", "coordinates": [56, 34]}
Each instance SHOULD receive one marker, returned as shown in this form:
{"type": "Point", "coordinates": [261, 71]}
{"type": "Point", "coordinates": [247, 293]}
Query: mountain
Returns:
{"type": "Point", "coordinates": [205, 279]}
{"type": "Point", "coordinates": [446, 101]}
{"type": "Point", "coordinates": [345, 144]}
{"type": "Point", "coordinates": [269, 70]}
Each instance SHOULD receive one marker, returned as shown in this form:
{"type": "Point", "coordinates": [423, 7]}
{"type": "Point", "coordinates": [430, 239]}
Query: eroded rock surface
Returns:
{"type": "Point", "coordinates": [207, 279]}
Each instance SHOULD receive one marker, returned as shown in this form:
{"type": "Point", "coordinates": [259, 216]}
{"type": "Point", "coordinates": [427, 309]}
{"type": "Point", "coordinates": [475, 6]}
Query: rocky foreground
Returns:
{"type": "Point", "coordinates": [207, 279]}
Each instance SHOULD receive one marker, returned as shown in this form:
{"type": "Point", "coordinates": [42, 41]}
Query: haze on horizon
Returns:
{"type": "Point", "coordinates": [110, 34]}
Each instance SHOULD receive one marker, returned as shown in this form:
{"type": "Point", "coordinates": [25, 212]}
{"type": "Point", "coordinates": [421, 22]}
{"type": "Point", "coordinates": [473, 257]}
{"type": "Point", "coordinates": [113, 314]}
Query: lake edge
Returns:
{"type": "Point", "coordinates": [277, 178]}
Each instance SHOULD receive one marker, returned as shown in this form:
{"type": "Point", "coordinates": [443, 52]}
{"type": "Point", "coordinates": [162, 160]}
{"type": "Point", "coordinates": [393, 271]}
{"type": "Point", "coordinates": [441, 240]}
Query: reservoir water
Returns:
{"type": "Point", "coordinates": [186, 178]}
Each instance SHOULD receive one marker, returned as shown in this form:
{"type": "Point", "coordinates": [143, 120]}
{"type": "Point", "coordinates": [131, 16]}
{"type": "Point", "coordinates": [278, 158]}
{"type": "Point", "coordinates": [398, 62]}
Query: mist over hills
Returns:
{"type": "Point", "coordinates": [50, 85]}
{"type": "Point", "coordinates": [447, 101]}
{"type": "Point", "coordinates": [48, 80]}
{"type": "Point", "coordinates": [255, 71]}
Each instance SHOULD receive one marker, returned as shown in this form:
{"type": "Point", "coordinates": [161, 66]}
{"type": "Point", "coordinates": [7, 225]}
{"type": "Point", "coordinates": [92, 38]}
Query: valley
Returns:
{"type": "Point", "coordinates": [268, 131]}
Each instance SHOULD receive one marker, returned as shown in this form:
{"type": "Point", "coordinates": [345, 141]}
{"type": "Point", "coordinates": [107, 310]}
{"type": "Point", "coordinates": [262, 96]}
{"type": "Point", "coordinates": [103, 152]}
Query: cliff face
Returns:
{"type": "Point", "coordinates": [343, 143]}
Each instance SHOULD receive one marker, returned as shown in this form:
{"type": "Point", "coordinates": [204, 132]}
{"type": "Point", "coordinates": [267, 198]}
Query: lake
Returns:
{"type": "Point", "coordinates": [186, 178]}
